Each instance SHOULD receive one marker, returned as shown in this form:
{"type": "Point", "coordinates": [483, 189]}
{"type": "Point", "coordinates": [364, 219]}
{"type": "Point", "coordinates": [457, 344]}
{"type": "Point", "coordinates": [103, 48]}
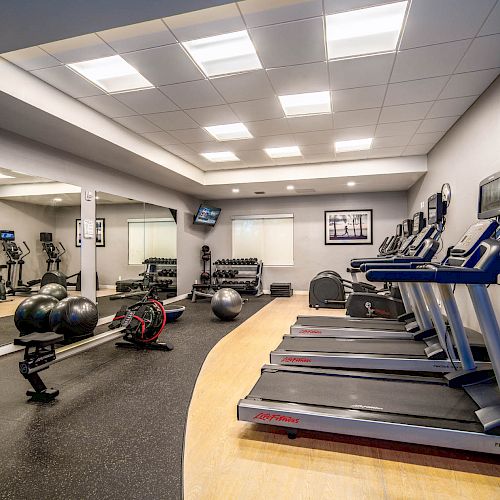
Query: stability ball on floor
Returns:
{"type": "Point", "coordinates": [226, 304]}
{"type": "Point", "coordinates": [32, 314]}
{"type": "Point", "coordinates": [55, 290]}
{"type": "Point", "coordinates": [74, 317]}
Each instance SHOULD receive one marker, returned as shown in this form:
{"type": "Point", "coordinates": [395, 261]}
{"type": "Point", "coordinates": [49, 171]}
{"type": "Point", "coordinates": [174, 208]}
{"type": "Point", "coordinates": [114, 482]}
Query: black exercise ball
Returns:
{"type": "Point", "coordinates": [55, 290]}
{"type": "Point", "coordinates": [226, 304]}
{"type": "Point", "coordinates": [54, 277]}
{"type": "Point", "coordinates": [32, 314]}
{"type": "Point", "coordinates": [74, 317]}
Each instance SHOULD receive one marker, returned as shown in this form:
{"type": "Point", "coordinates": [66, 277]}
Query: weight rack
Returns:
{"type": "Point", "coordinates": [247, 277]}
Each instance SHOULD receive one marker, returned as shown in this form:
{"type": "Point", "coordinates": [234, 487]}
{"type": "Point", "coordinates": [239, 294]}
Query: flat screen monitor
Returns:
{"type": "Point", "coordinates": [399, 230]}
{"type": "Point", "coordinates": [418, 222]}
{"type": "Point", "coordinates": [435, 209]}
{"type": "Point", "coordinates": [489, 197]}
{"type": "Point", "coordinates": [207, 215]}
{"type": "Point", "coordinates": [7, 235]}
{"type": "Point", "coordinates": [45, 237]}
{"type": "Point", "coordinates": [407, 227]}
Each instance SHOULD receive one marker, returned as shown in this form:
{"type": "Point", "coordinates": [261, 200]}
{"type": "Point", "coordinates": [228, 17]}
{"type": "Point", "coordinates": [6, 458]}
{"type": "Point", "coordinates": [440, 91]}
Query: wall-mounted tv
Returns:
{"type": "Point", "coordinates": [206, 215]}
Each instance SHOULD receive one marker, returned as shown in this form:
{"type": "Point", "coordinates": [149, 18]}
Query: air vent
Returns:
{"type": "Point", "coordinates": [259, 192]}
{"type": "Point", "coordinates": [305, 191]}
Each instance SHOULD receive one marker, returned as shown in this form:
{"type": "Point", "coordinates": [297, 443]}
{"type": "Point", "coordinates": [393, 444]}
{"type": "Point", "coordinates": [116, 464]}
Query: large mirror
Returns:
{"type": "Point", "coordinates": [136, 248]}
{"type": "Point", "coordinates": [38, 241]}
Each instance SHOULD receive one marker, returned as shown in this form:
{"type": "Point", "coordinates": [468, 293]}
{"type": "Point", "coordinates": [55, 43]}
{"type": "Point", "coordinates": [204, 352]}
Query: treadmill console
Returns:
{"type": "Point", "coordinates": [7, 235]}
{"type": "Point", "coordinates": [489, 197]}
{"type": "Point", "coordinates": [476, 233]}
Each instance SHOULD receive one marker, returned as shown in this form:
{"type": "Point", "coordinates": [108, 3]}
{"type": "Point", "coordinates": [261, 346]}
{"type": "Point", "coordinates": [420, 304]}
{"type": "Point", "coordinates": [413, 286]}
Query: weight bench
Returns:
{"type": "Point", "coordinates": [39, 354]}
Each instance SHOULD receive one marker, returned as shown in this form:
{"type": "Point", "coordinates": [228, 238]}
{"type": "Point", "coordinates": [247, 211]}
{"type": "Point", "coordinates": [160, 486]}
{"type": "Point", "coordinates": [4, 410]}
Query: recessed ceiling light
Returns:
{"type": "Point", "coordinates": [112, 74]}
{"type": "Point", "coordinates": [224, 54]}
{"type": "Point", "coordinates": [229, 132]}
{"type": "Point", "coordinates": [235, 190]}
{"type": "Point", "coordinates": [354, 145]}
{"type": "Point", "coordinates": [351, 183]}
{"type": "Point", "coordinates": [364, 31]}
{"type": "Point", "coordinates": [290, 188]}
{"type": "Point", "coordinates": [220, 156]}
{"type": "Point", "coordinates": [57, 199]}
{"type": "Point", "coordinates": [306, 104]}
{"type": "Point", "coordinates": [4, 176]}
{"type": "Point", "coordinates": [284, 152]}
{"type": "Point", "coordinates": [97, 198]}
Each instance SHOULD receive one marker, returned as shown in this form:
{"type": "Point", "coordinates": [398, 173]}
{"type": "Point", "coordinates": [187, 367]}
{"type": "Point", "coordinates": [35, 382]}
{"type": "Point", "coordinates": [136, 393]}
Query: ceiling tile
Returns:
{"type": "Point", "coordinates": [451, 107]}
{"type": "Point", "coordinates": [137, 124]}
{"type": "Point", "coordinates": [391, 142]}
{"type": "Point", "coordinates": [262, 109]}
{"type": "Point", "coordinates": [385, 152]}
{"type": "Point", "coordinates": [80, 48]}
{"type": "Point", "coordinates": [277, 141]}
{"type": "Point", "coordinates": [206, 22]}
{"type": "Point", "coordinates": [173, 120]}
{"type": "Point", "coordinates": [297, 42]}
{"type": "Point", "coordinates": [244, 86]}
{"type": "Point", "coordinates": [311, 77]}
{"type": "Point", "coordinates": [138, 36]}
{"type": "Point", "coordinates": [211, 146]}
{"type": "Point", "coordinates": [334, 6]}
{"type": "Point", "coordinates": [492, 24]}
{"type": "Point", "coordinates": [68, 81]}
{"type": "Point", "coordinates": [196, 94]}
{"type": "Point", "coordinates": [404, 112]}
{"type": "Point", "coordinates": [428, 138]}
{"type": "Point", "coordinates": [192, 135]}
{"type": "Point", "coordinates": [345, 119]}
{"type": "Point", "coordinates": [213, 115]}
{"type": "Point", "coordinates": [268, 127]}
{"type": "Point", "coordinates": [484, 53]}
{"type": "Point", "coordinates": [437, 124]}
{"type": "Point", "coordinates": [107, 105]}
{"type": "Point", "coordinates": [245, 144]}
{"type": "Point", "coordinates": [360, 98]}
{"type": "Point", "coordinates": [427, 89]}
{"type": "Point", "coordinates": [318, 137]}
{"type": "Point", "coordinates": [346, 134]}
{"type": "Point", "coordinates": [310, 123]}
{"type": "Point", "coordinates": [426, 62]}
{"type": "Point", "coordinates": [31, 58]}
{"type": "Point", "coordinates": [465, 84]}
{"type": "Point", "coordinates": [351, 155]}
{"type": "Point", "coordinates": [179, 149]}
{"type": "Point", "coordinates": [361, 71]}
{"type": "Point", "coordinates": [160, 138]}
{"type": "Point", "coordinates": [400, 128]}
{"type": "Point", "coordinates": [146, 101]}
{"type": "Point", "coordinates": [317, 149]}
{"type": "Point", "coordinates": [430, 22]}
{"type": "Point", "coordinates": [263, 12]}
{"type": "Point", "coordinates": [421, 149]}
{"type": "Point", "coordinates": [256, 155]}
{"type": "Point", "coordinates": [164, 65]}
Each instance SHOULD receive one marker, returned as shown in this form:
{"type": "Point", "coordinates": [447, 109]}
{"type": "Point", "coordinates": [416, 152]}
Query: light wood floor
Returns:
{"type": "Point", "coordinates": [227, 459]}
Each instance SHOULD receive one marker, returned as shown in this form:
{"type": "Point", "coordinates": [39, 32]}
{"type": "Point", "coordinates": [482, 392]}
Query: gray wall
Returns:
{"type": "Point", "coordinates": [468, 153]}
{"type": "Point", "coordinates": [311, 255]}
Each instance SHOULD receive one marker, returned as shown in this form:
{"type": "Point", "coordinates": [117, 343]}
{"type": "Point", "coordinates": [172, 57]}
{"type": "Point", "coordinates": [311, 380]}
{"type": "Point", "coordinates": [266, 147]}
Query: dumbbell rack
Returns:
{"type": "Point", "coordinates": [156, 266]}
{"type": "Point", "coordinates": [246, 273]}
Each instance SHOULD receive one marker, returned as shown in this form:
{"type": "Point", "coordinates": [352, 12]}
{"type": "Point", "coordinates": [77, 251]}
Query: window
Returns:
{"type": "Point", "coordinates": [151, 238]}
{"type": "Point", "coordinates": [267, 237]}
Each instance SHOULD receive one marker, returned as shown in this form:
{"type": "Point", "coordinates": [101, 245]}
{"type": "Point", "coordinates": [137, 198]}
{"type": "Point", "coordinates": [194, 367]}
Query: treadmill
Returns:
{"type": "Point", "coordinates": [460, 410]}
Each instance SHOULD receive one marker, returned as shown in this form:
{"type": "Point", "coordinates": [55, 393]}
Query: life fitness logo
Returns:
{"type": "Point", "coordinates": [310, 332]}
{"type": "Point", "coordinates": [275, 417]}
{"type": "Point", "coordinates": [290, 359]}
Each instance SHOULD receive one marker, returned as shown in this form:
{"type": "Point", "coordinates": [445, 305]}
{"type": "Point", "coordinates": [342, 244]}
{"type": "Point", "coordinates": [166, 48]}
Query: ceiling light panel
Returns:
{"type": "Point", "coordinates": [112, 74]}
{"type": "Point", "coordinates": [309, 103]}
{"type": "Point", "coordinates": [229, 132]}
{"type": "Point", "coordinates": [354, 145]}
{"type": "Point", "coordinates": [221, 156]}
{"type": "Point", "coordinates": [224, 54]}
{"type": "Point", "coordinates": [4, 176]}
{"type": "Point", "coordinates": [284, 152]}
{"type": "Point", "coordinates": [364, 31]}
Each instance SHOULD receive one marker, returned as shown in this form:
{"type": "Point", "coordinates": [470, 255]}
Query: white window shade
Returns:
{"type": "Point", "coordinates": [269, 238]}
{"type": "Point", "coordinates": [151, 238]}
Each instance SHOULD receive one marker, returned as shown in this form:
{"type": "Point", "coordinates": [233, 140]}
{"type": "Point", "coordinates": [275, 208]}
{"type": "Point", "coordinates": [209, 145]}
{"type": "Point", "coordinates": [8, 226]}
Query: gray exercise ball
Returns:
{"type": "Point", "coordinates": [55, 290]}
{"type": "Point", "coordinates": [226, 304]}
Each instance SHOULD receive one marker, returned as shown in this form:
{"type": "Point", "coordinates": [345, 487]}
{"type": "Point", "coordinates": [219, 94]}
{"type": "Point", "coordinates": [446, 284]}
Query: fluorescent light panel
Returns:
{"type": "Point", "coordinates": [306, 104]}
{"type": "Point", "coordinates": [354, 145]}
{"type": "Point", "coordinates": [351, 183]}
{"type": "Point", "coordinates": [224, 54]}
{"type": "Point", "coordinates": [229, 132]}
{"type": "Point", "coordinates": [284, 152]}
{"type": "Point", "coordinates": [112, 74]}
{"type": "Point", "coordinates": [4, 176]}
{"type": "Point", "coordinates": [235, 190]}
{"type": "Point", "coordinates": [220, 156]}
{"type": "Point", "coordinates": [364, 31]}
{"type": "Point", "coordinates": [290, 188]}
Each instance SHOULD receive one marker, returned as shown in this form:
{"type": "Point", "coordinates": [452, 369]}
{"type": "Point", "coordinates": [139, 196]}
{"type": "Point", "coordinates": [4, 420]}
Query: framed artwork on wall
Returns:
{"type": "Point", "coordinates": [100, 232]}
{"type": "Point", "coordinates": [349, 227]}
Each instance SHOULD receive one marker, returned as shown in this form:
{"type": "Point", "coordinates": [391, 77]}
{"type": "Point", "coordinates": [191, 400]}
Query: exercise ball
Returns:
{"type": "Point", "coordinates": [55, 290]}
{"type": "Point", "coordinates": [74, 317]}
{"type": "Point", "coordinates": [226, 304]}
{"type": "Point", "coordinates": [54, 277]}
{"type": "Point", "coordinates": [32, 314]}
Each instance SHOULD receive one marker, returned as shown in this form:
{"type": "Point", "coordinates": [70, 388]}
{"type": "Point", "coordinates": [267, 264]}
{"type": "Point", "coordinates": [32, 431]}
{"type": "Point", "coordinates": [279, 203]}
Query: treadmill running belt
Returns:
{"type": "Point", "coordinates": [394, 347]}
{"type": "Point", "coordinates": [347, 322]}
{"type": "Point", "coordinates": [397, 397]}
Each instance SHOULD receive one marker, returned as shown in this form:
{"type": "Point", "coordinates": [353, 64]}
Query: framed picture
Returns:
{"type": "Point", "coordinates": [349, 227]}
{"type": "Point", "coordinates": [100, 232]}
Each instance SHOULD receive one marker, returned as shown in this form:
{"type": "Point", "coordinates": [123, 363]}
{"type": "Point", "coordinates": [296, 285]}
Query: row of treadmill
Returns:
{"type": "Point", "coordinates": [421, 378]}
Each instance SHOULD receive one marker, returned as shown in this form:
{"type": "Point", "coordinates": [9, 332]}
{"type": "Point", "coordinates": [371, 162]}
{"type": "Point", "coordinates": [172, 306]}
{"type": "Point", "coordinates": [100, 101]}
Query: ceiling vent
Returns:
{"type": "Point", "coordinates": [259, 192]}
{"type": "Point", "coordinates": [305, 191]}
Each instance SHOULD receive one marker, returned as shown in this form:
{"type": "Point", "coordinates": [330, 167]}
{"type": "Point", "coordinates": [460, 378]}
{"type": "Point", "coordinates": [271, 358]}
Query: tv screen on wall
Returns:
{"type": "Point", "coordinates": [207, 215]}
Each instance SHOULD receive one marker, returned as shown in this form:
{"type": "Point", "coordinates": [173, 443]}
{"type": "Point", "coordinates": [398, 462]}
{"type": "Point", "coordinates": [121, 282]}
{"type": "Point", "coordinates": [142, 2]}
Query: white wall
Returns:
{"type": "Point", "coordinates": [468, 153]}
{"type": "Point", "coordinates": [311, 255]}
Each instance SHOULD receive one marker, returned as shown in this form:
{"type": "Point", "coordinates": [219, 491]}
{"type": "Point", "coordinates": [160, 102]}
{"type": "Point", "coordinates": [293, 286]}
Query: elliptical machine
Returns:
{"type": "Point", "coordinates": [15, 262]}
{"type": "Point", "coordinates": [53, 252]}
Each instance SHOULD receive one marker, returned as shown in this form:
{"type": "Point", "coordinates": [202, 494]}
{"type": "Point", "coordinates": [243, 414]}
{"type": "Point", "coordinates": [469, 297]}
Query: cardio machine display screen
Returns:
{"type": "Point", "coordinates": [207, 215]}
{"type": "Point", "coordinates": [489, 198]}
{"type": "Point", "coordinates": [418, 222]}
{"type": "Point", "coordinates": [7, 235]}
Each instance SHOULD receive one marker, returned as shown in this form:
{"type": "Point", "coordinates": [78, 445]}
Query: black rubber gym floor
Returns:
{"type": "Point", "coordinates": [117, 428]}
